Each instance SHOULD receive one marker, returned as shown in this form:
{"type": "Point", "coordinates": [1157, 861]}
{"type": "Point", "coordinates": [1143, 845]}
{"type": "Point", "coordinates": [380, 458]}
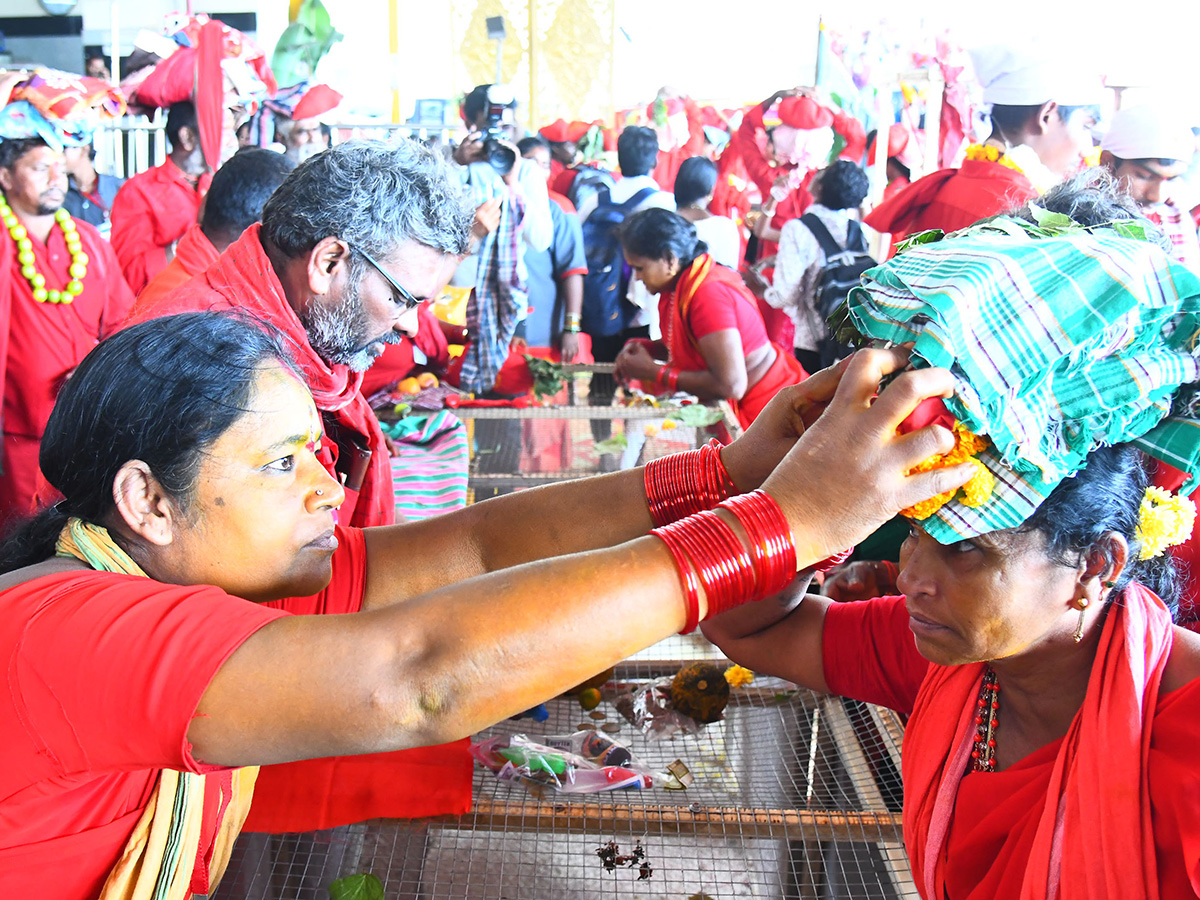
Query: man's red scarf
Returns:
{"type": "Point", "coordinates": [1095, 837]}
{"type": "Point", "coordinates": [244, 279]}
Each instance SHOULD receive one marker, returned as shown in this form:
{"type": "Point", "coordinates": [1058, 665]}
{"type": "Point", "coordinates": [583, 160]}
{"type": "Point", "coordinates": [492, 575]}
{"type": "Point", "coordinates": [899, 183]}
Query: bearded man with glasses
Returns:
{"type": "Point", "coordinates": [349, 245]}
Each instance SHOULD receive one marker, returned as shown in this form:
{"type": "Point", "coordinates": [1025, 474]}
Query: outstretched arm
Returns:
{"type": "Point", "coordinates": [570, 517]}
{"type": "Point", "coordinates": [451, 662]}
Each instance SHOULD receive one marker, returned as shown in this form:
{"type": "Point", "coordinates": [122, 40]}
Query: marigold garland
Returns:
{"type": "Point", "coordinates": [988, 153]}
{"type": "Point", "coordinates": [1164, 520]}
{"type": "Point", "coordinates": [975, 492]}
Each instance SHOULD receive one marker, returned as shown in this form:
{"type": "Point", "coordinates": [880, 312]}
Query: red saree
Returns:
{"type": "Point", "coordinates": [1094, 834]}
{"type": "Point", "coordinates": [995, 835]}
{"type": "Point", "coordinates": [675, 310]}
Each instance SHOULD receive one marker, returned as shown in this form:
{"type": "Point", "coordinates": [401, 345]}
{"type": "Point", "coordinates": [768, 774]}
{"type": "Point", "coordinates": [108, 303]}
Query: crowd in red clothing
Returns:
{"type": "Point", "coordinates": [659, 245]}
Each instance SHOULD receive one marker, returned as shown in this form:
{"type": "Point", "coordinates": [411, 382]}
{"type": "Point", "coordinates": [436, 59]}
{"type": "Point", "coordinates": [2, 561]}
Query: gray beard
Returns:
{"type": "Point", "coordinates": [339, 333]}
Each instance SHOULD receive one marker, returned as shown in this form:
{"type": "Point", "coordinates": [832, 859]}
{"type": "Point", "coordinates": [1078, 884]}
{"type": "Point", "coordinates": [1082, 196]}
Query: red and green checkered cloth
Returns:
{"type": "Point", "coordinates": [1058, 344]}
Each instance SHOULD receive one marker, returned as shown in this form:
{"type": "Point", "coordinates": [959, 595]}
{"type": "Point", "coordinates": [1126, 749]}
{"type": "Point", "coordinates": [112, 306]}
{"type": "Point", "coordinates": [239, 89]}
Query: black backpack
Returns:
{"type": "Point", "coordinates": [843, 270]}
{"type": "Point", "coordinates": [606, 311]}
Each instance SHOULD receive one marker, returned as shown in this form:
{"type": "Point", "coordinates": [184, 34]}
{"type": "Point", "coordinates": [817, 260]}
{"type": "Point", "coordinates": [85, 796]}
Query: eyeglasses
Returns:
{"type": "Point", "coordinates": [402, 297]}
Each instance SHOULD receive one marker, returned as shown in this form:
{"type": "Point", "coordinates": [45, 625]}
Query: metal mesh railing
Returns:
{"type": "Point", "coordinates": [795, 795]}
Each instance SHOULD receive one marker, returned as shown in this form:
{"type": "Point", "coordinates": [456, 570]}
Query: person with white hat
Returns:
{"type": "Point", "coordinates": [1042, 112]}
{"type": "Point", "coordinates": [1148, 149]}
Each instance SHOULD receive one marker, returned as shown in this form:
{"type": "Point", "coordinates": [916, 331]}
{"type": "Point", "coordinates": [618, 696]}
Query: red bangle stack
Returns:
{"type": "Point", "coordinates": [731, 574]}
{"type": "Point", "coordinates": [685, 483]}
{"type": "Point", "coordinates": [770, 538]}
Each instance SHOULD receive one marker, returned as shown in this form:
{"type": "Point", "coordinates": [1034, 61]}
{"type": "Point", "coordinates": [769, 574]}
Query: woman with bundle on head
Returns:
{"type": "Point", "coordinates": [165, 626]}
{"type": "Point", "coordinates": [714, 343]}
{"type": "Point", "coordinates": [1053, 705]}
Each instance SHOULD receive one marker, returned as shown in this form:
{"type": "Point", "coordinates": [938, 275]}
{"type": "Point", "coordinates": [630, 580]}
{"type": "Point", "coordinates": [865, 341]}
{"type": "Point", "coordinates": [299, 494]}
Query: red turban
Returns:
{"type": "Point", "coordinates": [317, 100]}
{"type": "Point", "coordinates": [556, 132]}
{"type": "Point", "coordinates": [804, 113]}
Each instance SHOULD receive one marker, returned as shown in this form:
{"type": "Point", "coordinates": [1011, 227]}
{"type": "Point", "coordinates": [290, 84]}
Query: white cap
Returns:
{"type": "Point", "coordinates": [1148, 132]}
{"type": "Point", "coordinates": [1013, 78]}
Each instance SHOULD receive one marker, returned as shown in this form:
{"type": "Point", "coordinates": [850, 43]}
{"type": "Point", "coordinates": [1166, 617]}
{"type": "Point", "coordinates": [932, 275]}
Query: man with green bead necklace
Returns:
{"type": "Point", "coordinates": [61, 292]}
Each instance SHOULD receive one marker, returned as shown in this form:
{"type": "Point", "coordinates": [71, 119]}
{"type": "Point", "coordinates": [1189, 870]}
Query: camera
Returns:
{"type": "Point", "coordinates": [500, 103]}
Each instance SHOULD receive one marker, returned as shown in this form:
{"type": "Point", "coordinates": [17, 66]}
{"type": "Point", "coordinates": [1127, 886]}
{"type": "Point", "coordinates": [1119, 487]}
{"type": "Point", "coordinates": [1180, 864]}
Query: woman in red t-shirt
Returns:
{"type": "Point", "coordinates": [165, 625]}
{"type": "Point", "coordinates": [714, 343]}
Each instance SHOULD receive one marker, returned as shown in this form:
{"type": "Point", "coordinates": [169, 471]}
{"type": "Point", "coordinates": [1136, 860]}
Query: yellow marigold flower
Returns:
{"type": "Point", "coordinates": [978, 490]}
{"type": "Point", "coordinates": [968, 442]}
{"type": "Point", "coordinates": [650, 430]}
{"type": "Point", "coordinates": [669, 425]}
{"type": "Point", "coordinates": [1164, 520]}
{"type": "Point", "coordinates": [927, 508]}
{"type": "Point", "coordinates": [737, 676]}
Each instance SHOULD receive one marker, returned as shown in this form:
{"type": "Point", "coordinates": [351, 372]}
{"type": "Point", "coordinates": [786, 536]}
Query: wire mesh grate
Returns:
{"type": "Point", "coordinates": [796, 795]}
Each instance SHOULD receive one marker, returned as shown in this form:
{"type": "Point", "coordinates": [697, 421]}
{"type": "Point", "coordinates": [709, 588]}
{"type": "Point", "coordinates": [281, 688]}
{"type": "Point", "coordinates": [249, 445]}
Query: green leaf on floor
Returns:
{"type": "Point", "coordinates": [356, 887]}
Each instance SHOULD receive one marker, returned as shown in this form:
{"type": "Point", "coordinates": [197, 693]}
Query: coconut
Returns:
{"type": "Point", "coordinates": [699, 690]}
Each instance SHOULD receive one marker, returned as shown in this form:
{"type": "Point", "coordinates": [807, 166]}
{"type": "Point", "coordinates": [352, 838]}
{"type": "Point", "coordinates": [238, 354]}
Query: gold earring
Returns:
{"type": "Point", "coordinates": [1083, 605]}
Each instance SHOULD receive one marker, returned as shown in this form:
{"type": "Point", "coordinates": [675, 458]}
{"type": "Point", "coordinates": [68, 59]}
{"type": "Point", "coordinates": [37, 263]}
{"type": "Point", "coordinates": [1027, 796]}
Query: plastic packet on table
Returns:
{"type": "Point", "coordinates": [586, 762]}
{"type": "Point", "coordinates": [649, 708]}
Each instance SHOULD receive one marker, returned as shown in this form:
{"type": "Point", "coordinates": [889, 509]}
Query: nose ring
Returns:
{"type": "Point", "coordinates": [320, 492]}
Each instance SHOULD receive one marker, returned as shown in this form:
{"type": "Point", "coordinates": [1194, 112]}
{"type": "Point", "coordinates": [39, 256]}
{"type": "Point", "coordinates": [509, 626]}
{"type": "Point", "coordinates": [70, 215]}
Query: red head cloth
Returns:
{"type": "Point", "coordinates": [556, 132]}
{"type": "Point", "coordinates": [898, 139]}
{"type": "Point", "coordinates": [317, 100]}
{"type": "Point", "coordinates": [210, 91]}
{"type": "Point", "coordinates": [171, 81]}
{"type": "Point", "coordinates": [804, 113]}
{"type": "Point", "coordinates": [576, 130]}
{"type": "Point", "coordinates": [210, 52]}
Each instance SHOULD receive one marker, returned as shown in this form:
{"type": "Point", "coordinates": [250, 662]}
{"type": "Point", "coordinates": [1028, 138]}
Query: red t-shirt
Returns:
{"type": "Point", "coordinates": [869, 653]}
{"type": "Point", "coordinates": [151, 211]}
{"type": "Point", "coordinates": [105, 672]}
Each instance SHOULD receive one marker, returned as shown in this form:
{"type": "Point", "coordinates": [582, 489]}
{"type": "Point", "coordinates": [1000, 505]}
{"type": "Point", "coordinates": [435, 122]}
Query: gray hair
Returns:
{"type": "Point", "coordinates": [375, 196]}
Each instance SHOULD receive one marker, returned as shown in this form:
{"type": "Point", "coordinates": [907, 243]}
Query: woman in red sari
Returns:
{"type": "Point", "coordinates": [1054, 709]}
{"type": "Point", "coordinates": [714, 342]}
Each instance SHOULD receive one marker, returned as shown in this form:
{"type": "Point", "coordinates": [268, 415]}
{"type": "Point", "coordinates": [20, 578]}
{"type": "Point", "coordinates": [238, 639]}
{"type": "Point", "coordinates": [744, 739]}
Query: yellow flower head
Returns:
{"type": "Point", "coordinates": [976, 492]}
{"type": "Point", "coordinates": [1164, 520]}
{"type": "Point", "coordinates": [737, 676]}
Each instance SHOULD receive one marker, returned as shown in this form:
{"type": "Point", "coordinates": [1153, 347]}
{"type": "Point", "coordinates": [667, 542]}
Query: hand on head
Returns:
{"type": "Point", "coordinates": [848, 472]}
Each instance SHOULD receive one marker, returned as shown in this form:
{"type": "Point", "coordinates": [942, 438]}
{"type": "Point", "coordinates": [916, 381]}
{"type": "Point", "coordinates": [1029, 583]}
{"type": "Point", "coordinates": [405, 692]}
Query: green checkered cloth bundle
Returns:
{"type": "Point", "coordinates": [1059, 344]}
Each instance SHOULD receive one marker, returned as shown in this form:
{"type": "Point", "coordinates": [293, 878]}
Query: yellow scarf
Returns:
{"type": "Point", "coordinates": [159, 857]}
